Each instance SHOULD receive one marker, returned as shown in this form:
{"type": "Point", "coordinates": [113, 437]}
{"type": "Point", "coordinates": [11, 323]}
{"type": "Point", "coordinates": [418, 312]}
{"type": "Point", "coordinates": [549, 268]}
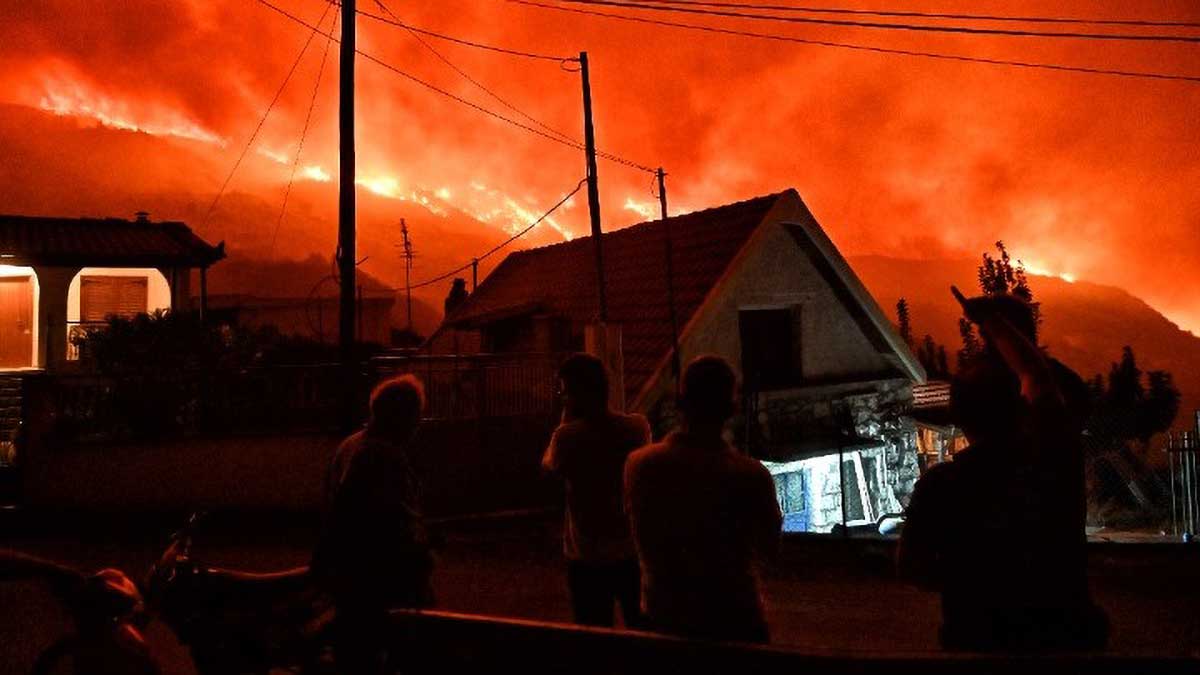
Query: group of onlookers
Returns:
{"type": "Point", "coordinates": [672, 533]}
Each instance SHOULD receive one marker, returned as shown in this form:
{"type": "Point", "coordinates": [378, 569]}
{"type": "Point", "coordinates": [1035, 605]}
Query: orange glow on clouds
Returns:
{"type": "Point", "coordinates": [1092, 177]}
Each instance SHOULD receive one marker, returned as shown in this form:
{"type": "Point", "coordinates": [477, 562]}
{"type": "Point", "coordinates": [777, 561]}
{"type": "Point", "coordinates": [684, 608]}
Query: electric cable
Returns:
{"type": "Point", "coordinates": [303, 133]}
{"type": "Point", "coordinates": [875, 25]}
{"type": "Point", "coordinates": [267, 113]}
{"type": "Point", "coordinates": [470, 104]}
{"type": "Point", "coordinates": [935, 15]}
{"type": "Point", "coordinates": [501, 245]}
{"type": "Point", "coordinates": [395, 21]}
{"type": "Point", "coordinates": [869, 48]}
{"type": "Point", "coordinates": [416, 36]}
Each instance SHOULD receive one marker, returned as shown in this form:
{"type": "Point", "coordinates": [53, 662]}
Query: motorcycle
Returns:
{"type": "Point", "coordinates": [240, 622]}
{"type": "Point", "coordinates": [108, 613]}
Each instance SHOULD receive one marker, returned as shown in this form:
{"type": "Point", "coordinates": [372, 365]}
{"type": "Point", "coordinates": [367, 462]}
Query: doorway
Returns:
{"type": "Point", "coordinates": [16, 322]}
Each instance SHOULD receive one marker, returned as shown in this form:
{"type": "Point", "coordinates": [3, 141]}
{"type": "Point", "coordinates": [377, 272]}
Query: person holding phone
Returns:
{"type": "Point", "coordinates": [999, 531]}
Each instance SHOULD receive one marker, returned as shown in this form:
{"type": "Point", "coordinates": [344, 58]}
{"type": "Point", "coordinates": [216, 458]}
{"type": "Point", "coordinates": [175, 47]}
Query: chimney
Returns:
{"type": "Point", "coordinates": [142, 216]}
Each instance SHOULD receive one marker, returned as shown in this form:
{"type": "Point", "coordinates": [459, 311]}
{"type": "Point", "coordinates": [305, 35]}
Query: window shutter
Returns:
{"type": "Point", "coordinates": [103, 296]}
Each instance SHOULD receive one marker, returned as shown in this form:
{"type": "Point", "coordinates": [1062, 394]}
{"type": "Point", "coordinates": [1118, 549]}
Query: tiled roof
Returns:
{"type": "Point", "coordinates": [101, 241]}
{"type": "Point", "coordinates": [561, 279]}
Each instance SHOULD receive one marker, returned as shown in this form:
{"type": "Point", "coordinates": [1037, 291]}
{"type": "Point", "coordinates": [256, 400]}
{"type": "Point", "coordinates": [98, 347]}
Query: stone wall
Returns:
{"type": "Point", "coordinates": [875, 410]}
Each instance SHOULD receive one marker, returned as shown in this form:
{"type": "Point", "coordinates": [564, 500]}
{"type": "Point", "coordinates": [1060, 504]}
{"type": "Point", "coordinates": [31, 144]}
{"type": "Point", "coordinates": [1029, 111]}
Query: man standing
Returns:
{"type": "Point", "coordinates": [373, 553]}
{"type": "Point", "coordinates": [1000, 530]}
{"type": "Point", "coordinates": [702, 516]}
{"type": "Point", "coordinates": [588, 450]}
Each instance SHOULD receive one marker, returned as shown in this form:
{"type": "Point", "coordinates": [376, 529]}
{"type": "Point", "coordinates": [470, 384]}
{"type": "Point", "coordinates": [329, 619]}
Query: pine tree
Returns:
{"type": "Point", "coordinates": [943, 363]}
{"type": "Point", "coordinates": [1159, 407]}
{"type": "Point", "coordinates": [933, 358]}
{"type": "Point", "coordinates": [904, 322]}
{"type": "Point", "coordinates": [971, 346]}
{"type": "Point", "coordinates": [1126, 409]}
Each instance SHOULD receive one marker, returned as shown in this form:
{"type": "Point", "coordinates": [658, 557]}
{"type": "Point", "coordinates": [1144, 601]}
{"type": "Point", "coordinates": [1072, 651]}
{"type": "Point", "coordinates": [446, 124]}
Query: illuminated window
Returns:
{"type": "Point", "coordinates": [789, 488]}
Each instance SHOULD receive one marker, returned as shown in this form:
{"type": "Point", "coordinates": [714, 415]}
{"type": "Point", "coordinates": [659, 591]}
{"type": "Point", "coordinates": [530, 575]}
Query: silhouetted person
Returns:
{"type": "Point", "coordinates": [702, 515]}
{"type": "Point", "coordinates": [458, 295]}
{"type": "Point", "coordinates": [999, 531]}
{"type": "Point", "coordinates": [588, 450]}
{"type": "Point", "coordinates": [373, 553]}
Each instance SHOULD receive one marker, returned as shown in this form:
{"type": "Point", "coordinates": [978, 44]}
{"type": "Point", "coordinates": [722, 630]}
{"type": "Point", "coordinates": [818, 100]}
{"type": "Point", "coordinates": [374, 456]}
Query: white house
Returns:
{"type": "Point", "coordinates": [827, 381]}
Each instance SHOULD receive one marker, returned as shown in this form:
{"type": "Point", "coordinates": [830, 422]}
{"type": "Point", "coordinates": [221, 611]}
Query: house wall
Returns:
{"type": "Point", "coordinates": [777, 273]}
{"type": "Point", "coordinates": [844, 377]}
{"type": "Point", "coordinates": [814, 489]}
{"type": "Point", "coordinates": [875, 409]}
{"type": "Point", "coordinates": [53, 286]}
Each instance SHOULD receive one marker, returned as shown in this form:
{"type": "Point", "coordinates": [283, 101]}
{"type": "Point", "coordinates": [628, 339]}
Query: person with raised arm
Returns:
{"type": "Point", "coordinates": [999, 531]}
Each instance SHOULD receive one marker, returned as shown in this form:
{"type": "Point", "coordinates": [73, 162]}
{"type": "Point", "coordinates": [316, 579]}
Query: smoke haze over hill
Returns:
{"type": "Point", "coordinates": [1085, 325]}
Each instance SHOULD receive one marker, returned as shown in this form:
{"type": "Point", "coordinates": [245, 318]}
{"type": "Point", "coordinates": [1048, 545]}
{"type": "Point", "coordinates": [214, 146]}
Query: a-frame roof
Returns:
{"type": "Point", "coordinates": [560, 280]}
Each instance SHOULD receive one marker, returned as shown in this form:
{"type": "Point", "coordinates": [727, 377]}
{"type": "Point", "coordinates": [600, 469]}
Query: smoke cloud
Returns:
{"type": "Point", "coordinates": [1085, 176]}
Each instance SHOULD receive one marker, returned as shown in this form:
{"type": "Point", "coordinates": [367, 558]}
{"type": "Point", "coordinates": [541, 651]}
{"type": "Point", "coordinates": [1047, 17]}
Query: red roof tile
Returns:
{"type": "Point", "coordinates": [561, 279]}
{"type": "Point", "coordinates": [102, 241]}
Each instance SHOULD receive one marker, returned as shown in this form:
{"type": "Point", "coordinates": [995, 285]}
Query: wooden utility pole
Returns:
{"type": "Point", "coordinates": [408, 257]}
{"type": "Point", "coordinates": [670, 270]}
{"type": "Point", "coordinates": [474, 274]}
{"type": "Point", "coordinates": [593, 189]}
{"type": "Point", "coordinates": [346, 206]}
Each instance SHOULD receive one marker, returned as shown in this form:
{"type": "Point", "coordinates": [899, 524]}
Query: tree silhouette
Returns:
{"type": "Point", "coordinates": [971, 348]}
{"type": "Point", "coordinates": [904, 322]}
{"type": "Point", "coordinates": [933, 359]}
{"type": "Point", "coordinates": [457, 296]}
{"type": "Point", "coordinates": [1126, 409]}
{"type": "Point", "coordinates": [931, 354]}
{"type": "Point", "coordinates": [1161, 405]}
{"type": "Point", "coordinates": [999, 276]}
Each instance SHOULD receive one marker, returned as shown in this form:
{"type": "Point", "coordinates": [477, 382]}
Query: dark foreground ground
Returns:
{"type": "Point", "coordinates": [823, 594]}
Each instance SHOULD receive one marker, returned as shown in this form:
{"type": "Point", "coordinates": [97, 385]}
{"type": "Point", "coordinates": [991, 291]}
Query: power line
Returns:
{"type": "Point", "coordinates": [874, 25]}
{"type": "Point", "coordinates": [868, 48]}
{"type": "Point", "coordinates": [270, 107]}
{"type": "Point", "coordinates": [935, 15]}
{"type": "Point", "coordinates": [470, 104]}
{"type": "Point", "coordinates": [470, 79]}
{"type": "Point", "coordinates": [506, 242]}
{"type": "Point", "coordinates": [395, 21]}
{"type": "Point", "coordinates": [303, 134]}
{"type": "Point", "coordinates": [599, 153]}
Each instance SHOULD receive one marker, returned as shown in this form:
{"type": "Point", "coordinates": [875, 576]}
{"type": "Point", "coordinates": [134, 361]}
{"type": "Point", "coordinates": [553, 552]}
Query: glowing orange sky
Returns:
{"type": "Point", "coordinates": [1089, 176]}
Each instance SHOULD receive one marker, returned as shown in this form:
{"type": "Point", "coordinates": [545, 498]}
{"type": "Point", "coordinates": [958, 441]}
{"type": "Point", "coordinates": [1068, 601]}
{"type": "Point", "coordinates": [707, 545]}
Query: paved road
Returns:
{"type": "Point", "coordinates": [820, 595]}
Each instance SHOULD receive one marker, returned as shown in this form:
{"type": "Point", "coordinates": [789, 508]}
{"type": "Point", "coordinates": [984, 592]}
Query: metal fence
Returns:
{"type": "Point", "coordinates": [78, 330]}
{"type": "Point", "coordinates": [480, 385]}
{"type": "Point", "coordinates": [91, 408]}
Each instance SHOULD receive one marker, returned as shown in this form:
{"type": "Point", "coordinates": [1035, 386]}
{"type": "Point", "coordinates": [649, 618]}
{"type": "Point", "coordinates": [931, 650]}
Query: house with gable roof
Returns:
{"type": "Point", "coordinates": [827, 381]}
